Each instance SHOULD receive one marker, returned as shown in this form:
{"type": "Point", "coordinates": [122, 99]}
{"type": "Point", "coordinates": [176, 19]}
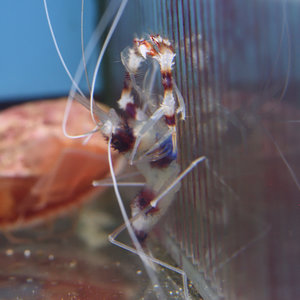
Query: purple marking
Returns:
{"type": "Point", "coordinates": [131, 110]}
{"type": "Point", "coordinates": [141, 235]}
{"type": "Point", "coordinates": [123, 140]}
{"type": "Point", "coordinates": [167, 80]}
{"type": "Point", "coordinates": [170, 120]}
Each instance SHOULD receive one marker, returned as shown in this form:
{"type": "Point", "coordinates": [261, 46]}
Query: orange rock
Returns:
{"type": "Point", "coordinates": [42, 173]}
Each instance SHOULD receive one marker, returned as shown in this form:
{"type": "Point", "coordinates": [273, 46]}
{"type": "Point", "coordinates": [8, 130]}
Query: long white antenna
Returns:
{"type": "Point", "coordinates": [103, 23]}
{"type": "Point", "coordinates": [58, 50]}
{"type": "Point", "coordinates": [82, 65]}
{"type": "Point", "coordinates": [107, 40]}
{"type": "Point", "coordinates": [82, 45]}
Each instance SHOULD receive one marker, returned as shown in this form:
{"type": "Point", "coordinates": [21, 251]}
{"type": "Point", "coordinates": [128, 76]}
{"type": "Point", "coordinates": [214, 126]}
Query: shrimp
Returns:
{"type": "Point", "coordinates": [147, 138]}
{"type": "Point", "coordinates": [144, 132]}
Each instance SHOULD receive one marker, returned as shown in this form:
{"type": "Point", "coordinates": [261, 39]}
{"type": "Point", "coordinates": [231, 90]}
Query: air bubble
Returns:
{"type": "Point", "coordinates": [9, 252]}
{"type": "Point", "coordinates": [73, 264]}
{"type": "Point", "coordinates": [51, 257]}
{"type": "Point", "coordinates": [27, 253]}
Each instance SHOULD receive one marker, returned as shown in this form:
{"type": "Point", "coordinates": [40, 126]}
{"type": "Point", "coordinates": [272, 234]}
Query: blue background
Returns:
{"type": "Point", "coordinates": [29, 65]}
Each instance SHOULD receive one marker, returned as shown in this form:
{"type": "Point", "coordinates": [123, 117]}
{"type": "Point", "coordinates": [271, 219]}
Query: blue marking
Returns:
{"type": "Point", "coordinates": [167, 147]}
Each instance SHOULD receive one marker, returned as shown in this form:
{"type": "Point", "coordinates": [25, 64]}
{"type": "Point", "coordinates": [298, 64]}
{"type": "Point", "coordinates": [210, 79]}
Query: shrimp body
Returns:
{"type": "Point", "coordinates": [147, 137]}
{"type": "Point", "coordinates": [143, 130]}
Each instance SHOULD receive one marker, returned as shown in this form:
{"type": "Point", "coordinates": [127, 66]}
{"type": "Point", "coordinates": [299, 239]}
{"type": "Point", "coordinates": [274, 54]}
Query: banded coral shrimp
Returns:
{"type": "Point", "coordinates": [146, 135]}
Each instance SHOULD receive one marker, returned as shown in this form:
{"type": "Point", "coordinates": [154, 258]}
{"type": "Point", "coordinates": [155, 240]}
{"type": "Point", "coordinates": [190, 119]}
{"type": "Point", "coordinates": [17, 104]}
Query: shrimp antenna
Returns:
{"type": "Point", "coordinates": [105, 44]}
{"type": "Point", "coordinates": [131, 233]}
{"type": "Point", "coordinates": [285, 26]}
{"type": "Point", "coordinates": [58, 50]}
{"type": "Point", "coordinates": [82, 46]}
{"type": "Point", "coordinates": [103, 23]}
{"type": "Point", "coordinates": [74, 83]}
{"type": "Point", "coordinates": [86, 55]}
